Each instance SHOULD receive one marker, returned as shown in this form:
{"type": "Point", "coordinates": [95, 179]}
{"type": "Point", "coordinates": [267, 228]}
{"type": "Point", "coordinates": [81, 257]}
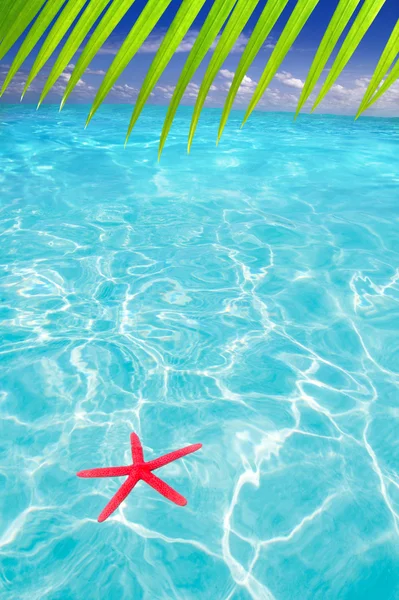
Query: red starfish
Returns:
{"type": "Point", "coordinates": [140, 470]}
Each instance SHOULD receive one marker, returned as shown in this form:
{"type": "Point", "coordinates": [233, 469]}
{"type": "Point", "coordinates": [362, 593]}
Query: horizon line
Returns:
{"type": "Point", "coordinates": [187, 106]}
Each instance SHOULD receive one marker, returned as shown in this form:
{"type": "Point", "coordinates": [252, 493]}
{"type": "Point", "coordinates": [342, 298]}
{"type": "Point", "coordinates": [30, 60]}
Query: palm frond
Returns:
{"type": "Point", "coordinates": [265, 24]}
{"type": "Point", "coordinates": [7, 17]}
{"type": "Point", "coordinates": [17, 15]}
{"type": "Point", "coordinates": [300, 15]}
{"type": "Point", "coordinates": [65, 27]}
{"type": "Point", "coordinates": [65, 20]}
{"type": "Point", "coordinates": [214, 22]}
{"type": "Point", "coordinates": [388, 57]}
{"type": "Point", "coordinates": [234, 27]}
{"type": "Point", "coordinates": [363, 21]}
{"type": "Point", "coordinates": [146, 22]}
{"type": "Point", "coordinates": [339, 21]}
{"type": "Point", "coordinates": [178, 29]}
{"type": "Point", "coordinates": [83, 26]}
{"type": "Point", "coordinates": [44, 19]}
{"type": "Point", "coordinates": [392, 77]}
{"type": "Point", "coordinates": [113, 16]}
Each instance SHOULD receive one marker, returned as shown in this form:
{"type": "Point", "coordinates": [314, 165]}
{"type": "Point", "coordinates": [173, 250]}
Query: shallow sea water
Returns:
{"type": "Point", "coordinates": [245, 297]}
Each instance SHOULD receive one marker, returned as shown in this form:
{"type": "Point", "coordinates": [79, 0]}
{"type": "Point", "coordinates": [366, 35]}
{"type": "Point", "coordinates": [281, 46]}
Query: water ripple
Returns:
{"type": "Point", "coordinates": [245, 297]}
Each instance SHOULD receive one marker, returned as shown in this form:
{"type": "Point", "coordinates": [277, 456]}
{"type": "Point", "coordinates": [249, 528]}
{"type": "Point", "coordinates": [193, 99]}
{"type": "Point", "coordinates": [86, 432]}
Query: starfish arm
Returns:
{"type": "Point", "coordinates": [119, 497]}
{"type": "Point", "coordinates": [163, 488]}
{"type": "Point", "coordinates": [137, 449]}
{"type": "Point", "coordinates": [168, 458]}
{"type": "Point", "coordinates": [106, 472]}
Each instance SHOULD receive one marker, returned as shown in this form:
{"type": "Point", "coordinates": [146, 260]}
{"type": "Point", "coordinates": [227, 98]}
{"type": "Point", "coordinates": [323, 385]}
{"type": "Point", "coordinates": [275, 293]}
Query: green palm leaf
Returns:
{"type": "Point", "coordinates": [16, 17]}
{"type": "Point", "coordinates": [8, 15]}
{"type": "Point", "coordinates": [147, 20]}
{"type": "Point", "coordinates": [299, 16]}
{"type": "Point", "coordinates": [234, 27]}
{"type": "Point", "coordinates": [180, 25]}
{"type": "Point", "coordinates": [83, 26]}
{"type": "Point", "coordinates": [72, 21]}
{"type": "Point", "coordinates": [392, 77]}
{"type": "Point", "coordinates": [214, 22]}
{"type": "Point", "coordinates": [341, 18]}
{"type": "Point", "coordinates": [388, 56]}
{"type": "Point", "coordinates": [56, 34]}
{"type": "Point", "coordinates": [365, 18]}
{"type": "Point", "coordinates": [265, 24]}
{"type": "Point", "coordinates": [112, 17]}
{"type": "Point", "coordinates": [39, 27]}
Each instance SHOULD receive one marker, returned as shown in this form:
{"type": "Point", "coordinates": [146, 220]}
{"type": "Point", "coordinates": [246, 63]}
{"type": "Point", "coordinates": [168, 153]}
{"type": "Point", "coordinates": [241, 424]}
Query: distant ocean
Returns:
{"type": "Point", "coordinates": [245, 297]}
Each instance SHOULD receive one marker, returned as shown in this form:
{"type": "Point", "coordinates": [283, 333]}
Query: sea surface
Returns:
{"type": "Point", "coordinates": [245, 297]}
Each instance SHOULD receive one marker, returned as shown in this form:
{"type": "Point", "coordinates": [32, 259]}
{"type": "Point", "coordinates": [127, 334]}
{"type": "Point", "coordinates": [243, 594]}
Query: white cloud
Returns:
{"type": "Point", "coordinates": [124, 92]}
{"type": "Point", "coordinates": [246, 88]}
{"type": "Point", "coordinates": [227, 74]}
{"type": "Point", "coordinates": [151, 44]}
{"type": "Point", "coordinates": [290, 81]}
{"type": "Point", "coordinates": [17, 84]}
{"type": "Point", "coordinates": [273, 98]}
{"type": "Point", "coordinates": [82, 91]}
{"type": "Point", "coordinates": [343, 98]}
{"type": "Point", "coordinates": [95, 72]}
{"type": "Point", "coordinates": [154, 40]}
{"type": "Point", "coordinates": [110, 48]}
{"type": "Point", "coordinates": [347, 98]}
{"type": "Point", "coordinates": [166, 91]}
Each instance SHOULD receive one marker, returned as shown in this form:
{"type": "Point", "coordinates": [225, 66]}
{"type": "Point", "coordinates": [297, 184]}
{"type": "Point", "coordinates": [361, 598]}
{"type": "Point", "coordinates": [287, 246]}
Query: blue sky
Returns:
{"type": "Point", "coordinates": [283, 92]}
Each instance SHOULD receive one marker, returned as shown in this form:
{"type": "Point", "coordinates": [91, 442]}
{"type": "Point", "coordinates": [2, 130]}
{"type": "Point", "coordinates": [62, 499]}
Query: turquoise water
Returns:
{"type": "Point", "coordinates": [245, 297]}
